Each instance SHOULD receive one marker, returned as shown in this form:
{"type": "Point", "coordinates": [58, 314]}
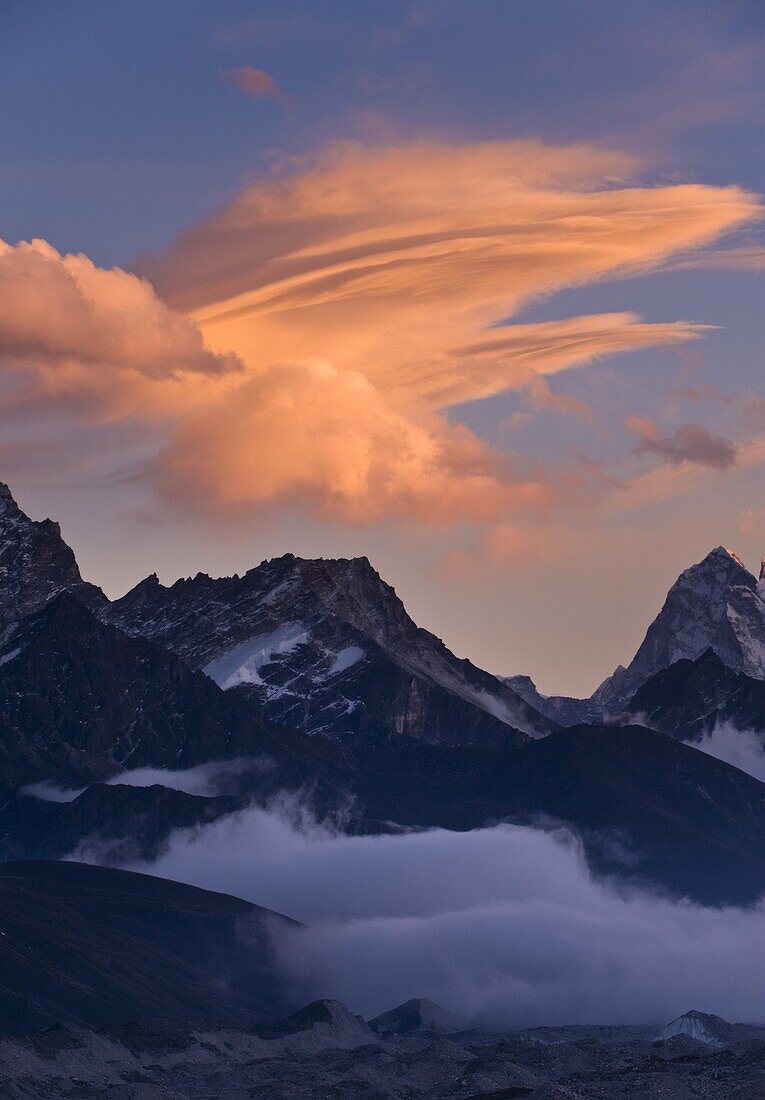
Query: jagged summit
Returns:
{"type": "Point", "coordinates": [720, 553]}
{"type": "Point", "coordinates": [327, 646]}
{"type": "Point", "coordinates": [35, 563]}
{"type": "Point", "coordinates": [718, 558]}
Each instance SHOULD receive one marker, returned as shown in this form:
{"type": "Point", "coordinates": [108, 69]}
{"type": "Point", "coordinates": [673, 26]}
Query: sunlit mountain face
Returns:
{"type": "Point", "coordinates": [382, 634]}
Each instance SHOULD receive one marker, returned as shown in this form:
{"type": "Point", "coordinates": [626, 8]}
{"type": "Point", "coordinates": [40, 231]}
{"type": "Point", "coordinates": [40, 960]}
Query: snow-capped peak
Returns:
{"type": "Point", "coordinates": [715, 604]}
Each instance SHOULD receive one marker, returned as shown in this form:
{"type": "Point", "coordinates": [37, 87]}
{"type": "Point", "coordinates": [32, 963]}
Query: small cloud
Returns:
{"type": "Point", "coordinates": [752, 521]}
{"type": "Point", "coordinates": [691, 443]}
{"type": "Point", "coordinates": [742, 258]}
{"type": "Point", "coordinates": [643, 426]}
{"type": "Point", "coordinates": [256, 83]}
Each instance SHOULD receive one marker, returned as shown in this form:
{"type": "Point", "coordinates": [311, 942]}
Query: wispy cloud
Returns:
{"type": "Point", "coordinates": [364, 291]}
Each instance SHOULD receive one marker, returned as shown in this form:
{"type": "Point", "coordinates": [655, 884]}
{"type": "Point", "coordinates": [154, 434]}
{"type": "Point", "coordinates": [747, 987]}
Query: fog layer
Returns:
{"type": "Point", "coordinates": [502, 925]}
{"type": "Point", "coordinates": [742, 748]}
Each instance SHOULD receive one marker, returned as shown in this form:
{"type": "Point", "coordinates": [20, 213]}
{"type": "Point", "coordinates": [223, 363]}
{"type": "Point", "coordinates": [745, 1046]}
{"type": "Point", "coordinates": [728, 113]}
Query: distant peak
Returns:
{"type": "Point", "coordinates": [723, 552]}
{"type": "Point", "coordinates": [762, 571]}
{"type": "Point", "coordinates": [7, 499]}
{"type": "Point", "coordinates": [719, 559]}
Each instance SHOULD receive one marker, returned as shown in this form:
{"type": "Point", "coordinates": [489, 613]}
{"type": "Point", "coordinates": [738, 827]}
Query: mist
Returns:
{"type": "Point", "coordinates": [503, 926]}
{"type": "Point", "coordinates": [744, 749]}
{"type": "Point", "coordinates": [204, 780]}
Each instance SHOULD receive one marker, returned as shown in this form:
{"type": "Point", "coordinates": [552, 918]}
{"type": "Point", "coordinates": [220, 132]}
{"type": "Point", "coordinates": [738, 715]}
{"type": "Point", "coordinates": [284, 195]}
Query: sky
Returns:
{"type": "Point", "coordinates": [472, 288]}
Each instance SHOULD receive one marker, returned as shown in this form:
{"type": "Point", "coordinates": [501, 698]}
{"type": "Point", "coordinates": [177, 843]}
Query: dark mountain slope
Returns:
{"type": "Point", "coordinates": [93, 945]}
{"type": "Point", "coordinates": [645, 805]}
{"type": "Point", "coordinates": [125, 822]}
{"type": "Point", "coordinates": [80, 701]}
{"type": "Point", "coordinates": [690, 698]}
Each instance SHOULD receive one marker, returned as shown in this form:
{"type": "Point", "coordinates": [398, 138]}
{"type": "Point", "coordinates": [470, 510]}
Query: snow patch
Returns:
{"type": "Point", "coordinates": [242, 664]}
{"type": "Point", "coordinates": [346, 659]}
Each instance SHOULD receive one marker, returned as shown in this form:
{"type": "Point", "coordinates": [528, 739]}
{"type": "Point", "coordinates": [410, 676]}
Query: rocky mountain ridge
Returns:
{"type": "Point", "coordinates": [317, 641]}
{"type": "Point", "coordinates": [252, 668]}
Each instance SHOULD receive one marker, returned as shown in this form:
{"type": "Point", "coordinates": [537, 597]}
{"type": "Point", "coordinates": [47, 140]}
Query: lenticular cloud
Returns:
{"type": "Point", "coordinates": [370, 289]}
{"type": "Point", "coordinates": [305, 343]}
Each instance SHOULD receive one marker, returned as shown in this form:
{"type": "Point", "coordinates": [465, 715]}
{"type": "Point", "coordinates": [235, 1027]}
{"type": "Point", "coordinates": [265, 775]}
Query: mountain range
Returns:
{"type": "Point", "coordinates": [312, 677]}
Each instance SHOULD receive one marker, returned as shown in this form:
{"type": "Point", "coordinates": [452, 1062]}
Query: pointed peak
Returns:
{"type": "Point", "coordinates": [722, 553]}
{"type": "Point", "coordinates": [724, 564]}
{"type": "Point", "coordinates": [762, 571]}
{"type": "Point", "coordinates": [7, 499]}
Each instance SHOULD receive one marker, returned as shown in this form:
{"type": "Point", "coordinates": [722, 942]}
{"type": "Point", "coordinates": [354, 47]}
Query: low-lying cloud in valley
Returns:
{"type": "Point", "coordinates": [502, 925]}
{"type": "Point", "coordinates": [204, 780]}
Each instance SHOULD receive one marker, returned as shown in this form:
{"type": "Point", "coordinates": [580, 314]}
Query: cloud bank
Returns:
{"type": "Point", "coordinates": [504, 926]}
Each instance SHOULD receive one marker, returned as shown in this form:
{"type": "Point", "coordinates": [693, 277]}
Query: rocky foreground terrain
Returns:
{"type": "Point", "coordinates": [324, 1051]}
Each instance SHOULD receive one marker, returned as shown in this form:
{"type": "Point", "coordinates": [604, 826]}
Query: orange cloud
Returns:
{"type": "Point", "coordinates": [394, 266]}
{"type": "Point", "coordinates": [97, 339]}
{"type": "Point", "coordinates": [320, 326]}
{"type": "Point", "coordinates": [503, 546]}
{"type": "Point", "coordinates": [314, 435]}
{"type": "Point", "coordinates": [668, 482]}
{"type": "Point", "coordinates": [751, 521]}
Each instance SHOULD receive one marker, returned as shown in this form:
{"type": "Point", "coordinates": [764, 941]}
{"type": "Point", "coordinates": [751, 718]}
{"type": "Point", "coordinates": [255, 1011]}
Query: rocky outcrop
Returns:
{"type": "Point", "coordinates": [35, 563]}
